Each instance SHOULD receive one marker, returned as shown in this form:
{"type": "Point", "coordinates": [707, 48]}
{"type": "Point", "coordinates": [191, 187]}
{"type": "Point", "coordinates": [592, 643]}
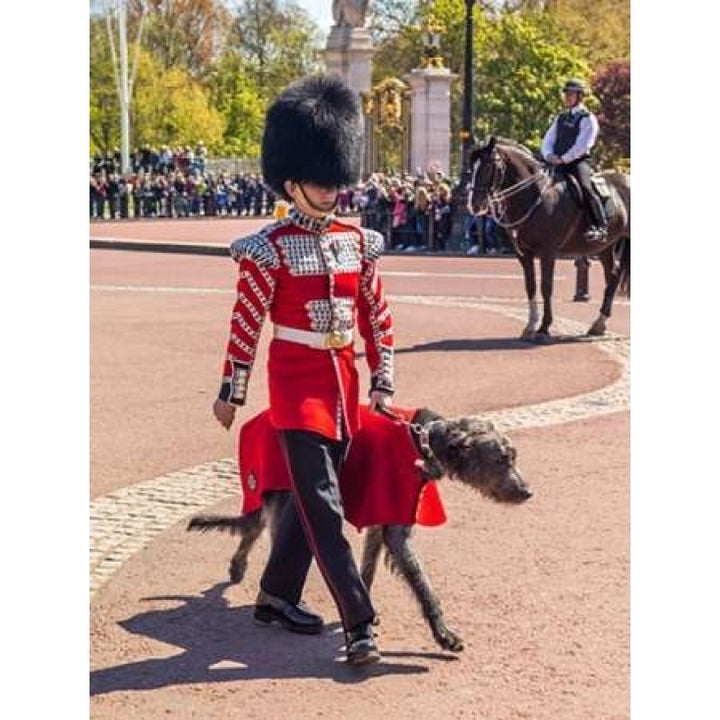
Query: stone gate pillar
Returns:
{"type": "Point", "coordinates": [430, 118]}
{"type": "Point", "coordinates": [348, 53]}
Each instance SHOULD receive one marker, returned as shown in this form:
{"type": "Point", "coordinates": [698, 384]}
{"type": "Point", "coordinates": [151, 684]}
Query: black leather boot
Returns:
{"type": "Point", "coordinates": [296, 618]}
{"type": "Point", "coordinates": [360, 646]}
{"type": "Point", "coordinates": [598, 231]}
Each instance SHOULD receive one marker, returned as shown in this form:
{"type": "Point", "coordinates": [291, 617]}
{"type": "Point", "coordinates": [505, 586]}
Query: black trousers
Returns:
{"type": "Point", "coordinates": [311, 526]}
{"type": "Point", "coordinates": [582, 171]}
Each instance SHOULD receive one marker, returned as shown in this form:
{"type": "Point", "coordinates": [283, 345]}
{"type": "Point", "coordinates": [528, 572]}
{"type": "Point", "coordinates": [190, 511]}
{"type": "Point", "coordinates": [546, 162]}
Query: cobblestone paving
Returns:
{"type": "Point", "coordinates": [123, 522]}
{"type": "Point", "coordinates": [612, 398]}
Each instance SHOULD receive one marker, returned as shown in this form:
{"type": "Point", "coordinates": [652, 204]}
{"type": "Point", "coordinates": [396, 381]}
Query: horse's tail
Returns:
{"type": "Point", "coordinates": [624, 280]}
{"type": "Point", "coordinates": [234, 524]}
{"type": "Point", "coordinates": [621, 181]}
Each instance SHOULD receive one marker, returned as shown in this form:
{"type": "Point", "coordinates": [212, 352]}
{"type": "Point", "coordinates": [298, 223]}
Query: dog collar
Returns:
{"type": "Point", "coordinates": [423, 435]}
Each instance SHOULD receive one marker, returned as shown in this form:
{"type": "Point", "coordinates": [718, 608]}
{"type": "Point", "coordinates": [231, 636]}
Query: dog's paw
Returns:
{"type": "Point", "coordinates": [448, 640]}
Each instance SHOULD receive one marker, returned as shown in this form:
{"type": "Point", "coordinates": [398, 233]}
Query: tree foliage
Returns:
{"type": "Point", "coordinates": [278, 42]}
{"type": "Point", "coordinates": [600, 28]}
{"type": "Point", "coordinates": [172, 108]}
{"type": "Point", "coordinates": [388, 18]}
{"type": "Point", "coordinates": [611, 85]}
{"type": "Point", "coordinates": [182, 33]}
{"type": "Point", "coordinates": [520, 71]}
{"type": "Point", "coordinates": [104, 104]}
{"type": "Point", "coordinates": [239, 101]}
{"type": "Point", "coordinates": [523, 52]}
{"type": "Point", "coordinates": [207, 70]}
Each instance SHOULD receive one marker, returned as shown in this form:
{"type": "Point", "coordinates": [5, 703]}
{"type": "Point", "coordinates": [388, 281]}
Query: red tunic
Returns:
{"type": "Point", "coordinates": [380, 482]}
{"type": "Point", "coordinates": [315, 276]}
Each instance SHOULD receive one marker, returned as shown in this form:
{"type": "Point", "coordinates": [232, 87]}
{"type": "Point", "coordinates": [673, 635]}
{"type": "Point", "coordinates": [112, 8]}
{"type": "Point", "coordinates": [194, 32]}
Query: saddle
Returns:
{"type": "Point", "coordinates": [600, 185]}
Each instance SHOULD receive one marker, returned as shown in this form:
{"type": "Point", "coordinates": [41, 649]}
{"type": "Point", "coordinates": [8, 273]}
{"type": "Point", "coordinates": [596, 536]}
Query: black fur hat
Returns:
{"type": "Point", "coordinates": [313, 133]}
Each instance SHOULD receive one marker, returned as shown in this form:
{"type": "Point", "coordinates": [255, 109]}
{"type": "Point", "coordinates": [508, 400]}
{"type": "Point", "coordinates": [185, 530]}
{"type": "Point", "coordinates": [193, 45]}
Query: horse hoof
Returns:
{"type": "Point", "coordinates": [596, 330]}
{"type": "Point", "coordinates": [528, 335]}
{"type": "Point", "coordinates": [542, 338]}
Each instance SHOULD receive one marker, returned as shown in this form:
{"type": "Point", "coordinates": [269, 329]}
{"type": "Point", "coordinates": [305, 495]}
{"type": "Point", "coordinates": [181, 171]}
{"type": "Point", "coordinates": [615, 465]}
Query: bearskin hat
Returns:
{"type": "Point", "coordinates": [313, 133]}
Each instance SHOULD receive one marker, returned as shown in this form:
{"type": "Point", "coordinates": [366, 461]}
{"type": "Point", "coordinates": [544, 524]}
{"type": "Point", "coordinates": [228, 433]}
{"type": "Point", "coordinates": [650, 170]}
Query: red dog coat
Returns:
{"type": "Point", "coordinates": [380, 482]}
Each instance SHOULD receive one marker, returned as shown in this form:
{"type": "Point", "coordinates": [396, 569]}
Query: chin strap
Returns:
{"type": "Point", "coordinates": [315, 207]}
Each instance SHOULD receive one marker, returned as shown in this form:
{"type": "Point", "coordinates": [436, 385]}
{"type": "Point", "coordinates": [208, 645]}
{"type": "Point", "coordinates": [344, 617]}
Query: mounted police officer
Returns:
{"type": "Point", "coordinates": [567, 145]}
{"type": "Point", "coordinates": [317, 278]}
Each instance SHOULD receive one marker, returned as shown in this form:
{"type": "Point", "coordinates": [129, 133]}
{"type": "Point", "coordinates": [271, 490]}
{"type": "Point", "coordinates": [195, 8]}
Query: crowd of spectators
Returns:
{"type": "Point", "coordinates": [414, 213]}
{"type": "Point", "coordinates": [172, 184]}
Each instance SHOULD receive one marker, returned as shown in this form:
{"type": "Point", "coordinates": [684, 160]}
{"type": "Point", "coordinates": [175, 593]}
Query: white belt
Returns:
{"type": "Point", "coordinates": [324, 341]}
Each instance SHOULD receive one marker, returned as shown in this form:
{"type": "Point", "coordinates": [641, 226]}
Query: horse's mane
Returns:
{"type": "Point", "coordinates": [519, 146]}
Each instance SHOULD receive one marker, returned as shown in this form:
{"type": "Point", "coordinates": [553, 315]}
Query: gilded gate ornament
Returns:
{"type": "Point", "coordinates": [387, 108]}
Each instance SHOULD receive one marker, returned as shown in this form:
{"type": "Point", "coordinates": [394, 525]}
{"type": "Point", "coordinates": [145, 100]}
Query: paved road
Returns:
{"type": "Point", "coordinates": [540, 593]}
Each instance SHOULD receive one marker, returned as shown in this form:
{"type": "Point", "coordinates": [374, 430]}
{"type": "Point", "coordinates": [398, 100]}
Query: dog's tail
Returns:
{"type": "Point", "coordinates": [233, 524]}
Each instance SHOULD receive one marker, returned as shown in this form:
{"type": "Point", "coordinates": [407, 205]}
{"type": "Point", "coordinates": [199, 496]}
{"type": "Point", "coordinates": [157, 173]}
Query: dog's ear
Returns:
{"type": "Point", "coordinates": [423, 416]}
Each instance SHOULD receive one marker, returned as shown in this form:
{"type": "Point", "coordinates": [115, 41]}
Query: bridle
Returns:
{"type": "Point", "coordinates": [497, 199]}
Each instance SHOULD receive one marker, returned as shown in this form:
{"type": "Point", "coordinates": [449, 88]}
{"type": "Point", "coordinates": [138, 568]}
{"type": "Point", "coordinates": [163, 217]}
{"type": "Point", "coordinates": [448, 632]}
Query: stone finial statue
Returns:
{"type": "Point", "coordinates": [350, 13]}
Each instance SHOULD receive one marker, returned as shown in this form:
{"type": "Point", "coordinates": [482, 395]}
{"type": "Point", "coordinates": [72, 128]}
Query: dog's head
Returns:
{"type": "Point", "coordinates": [474, 452]}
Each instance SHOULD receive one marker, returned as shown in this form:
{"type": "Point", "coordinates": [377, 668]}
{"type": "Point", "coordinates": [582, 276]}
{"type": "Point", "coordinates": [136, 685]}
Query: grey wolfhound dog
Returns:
{"type": "Point", "coordinates": [468, 450]}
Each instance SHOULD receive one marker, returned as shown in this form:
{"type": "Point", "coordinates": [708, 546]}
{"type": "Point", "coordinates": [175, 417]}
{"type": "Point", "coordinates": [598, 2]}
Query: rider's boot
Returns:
{"type": "Point", "coordinates": [599, 230]}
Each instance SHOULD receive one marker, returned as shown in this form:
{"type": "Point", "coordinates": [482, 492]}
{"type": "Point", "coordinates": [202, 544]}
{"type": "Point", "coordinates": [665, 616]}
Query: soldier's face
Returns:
{"type": "Point", "coordinates": [310, 197]}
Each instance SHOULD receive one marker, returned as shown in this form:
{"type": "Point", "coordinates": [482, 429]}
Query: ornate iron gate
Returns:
{"type": "Point", "coordinates": [387, 127]}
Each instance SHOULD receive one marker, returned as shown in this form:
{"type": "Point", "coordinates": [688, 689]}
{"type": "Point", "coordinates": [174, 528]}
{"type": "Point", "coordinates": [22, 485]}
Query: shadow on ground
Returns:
{"type": "Point", "coordinates": [222, 644]}
{"type": "Point", "coordinates": [491, 344]}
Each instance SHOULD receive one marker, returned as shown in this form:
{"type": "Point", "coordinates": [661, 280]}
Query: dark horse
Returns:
{"type": "Point", "coordinates": [544, 220]}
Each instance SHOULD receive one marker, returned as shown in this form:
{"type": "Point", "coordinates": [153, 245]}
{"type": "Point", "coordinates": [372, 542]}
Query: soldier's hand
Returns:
{"type": "Point", "coordinates": [378, 400]}
{"type": "Point", "coordinates": [554, 160]}
{"type": "Point", "coordinates": [224, 412]}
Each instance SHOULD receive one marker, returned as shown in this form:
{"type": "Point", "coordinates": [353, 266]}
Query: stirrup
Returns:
{"type": "Point", "coordinates": [595, 234]}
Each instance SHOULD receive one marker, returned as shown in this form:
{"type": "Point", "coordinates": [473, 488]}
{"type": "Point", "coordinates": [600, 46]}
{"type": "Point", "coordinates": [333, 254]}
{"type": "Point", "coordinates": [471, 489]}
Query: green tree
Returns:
{"type": "Point", "coordinates": [520, 69]}
{"type": "Point", "coordinates": [172, 108]}
{"type": "Point", "coordinates": [235, 96]}
{"type": "Point", "coordinates": [278, 42]}
{"type": "Point", "coordinates": [521, 59]}
{"type": "Point", "coordinates": [104, 104]}
{"type": "Point", "coordinates": [388, 18]}
{"type": "Point", "coordinates": [600, 28]}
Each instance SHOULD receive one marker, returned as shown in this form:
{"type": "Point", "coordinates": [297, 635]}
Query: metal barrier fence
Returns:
{"type": "Point", "coordinates": [423, 232]}
{"type": "Point", "coordinates": [148, 204]}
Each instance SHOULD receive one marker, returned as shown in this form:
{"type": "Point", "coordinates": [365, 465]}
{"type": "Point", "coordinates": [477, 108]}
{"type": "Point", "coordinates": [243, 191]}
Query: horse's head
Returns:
{"type": "Point", "coordinates": [488, 170]}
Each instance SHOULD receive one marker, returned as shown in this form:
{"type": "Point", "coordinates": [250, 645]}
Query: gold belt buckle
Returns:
{"type": "Point", "coordinates": [335, 339]}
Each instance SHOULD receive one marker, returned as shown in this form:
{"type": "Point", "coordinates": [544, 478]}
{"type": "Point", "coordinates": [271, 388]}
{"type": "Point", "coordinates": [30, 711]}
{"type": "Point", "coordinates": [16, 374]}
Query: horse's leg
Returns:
{"type": "Point", "coordinates": [527, 260]}
{"type": "Point", "coordinates": [405, 562]}
{"type": "Point", "coordinates": [611, 268]}
{"type": "Point", "coordinates": [547, 274]}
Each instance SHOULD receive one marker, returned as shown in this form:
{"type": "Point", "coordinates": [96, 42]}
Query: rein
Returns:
{"type": "Point", "coordinates": [497, 200]}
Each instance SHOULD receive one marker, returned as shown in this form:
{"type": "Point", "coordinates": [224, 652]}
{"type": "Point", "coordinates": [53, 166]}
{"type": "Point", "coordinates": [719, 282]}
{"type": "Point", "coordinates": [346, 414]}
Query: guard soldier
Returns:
{"type": "Point", "coordinates": [315, 276]}
{"type": "Point", "coordinates": [567, 145]}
